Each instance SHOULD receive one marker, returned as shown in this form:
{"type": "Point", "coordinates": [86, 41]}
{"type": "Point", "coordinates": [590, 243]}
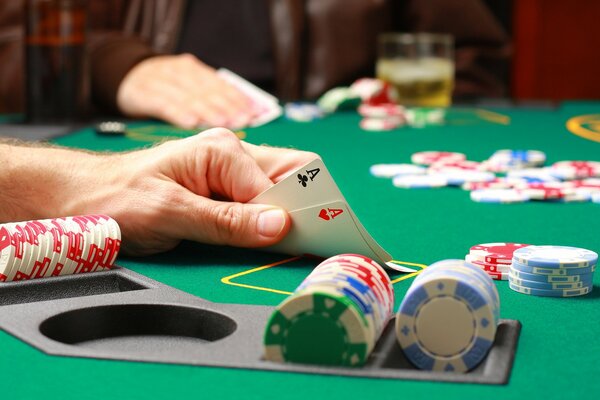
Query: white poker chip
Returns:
{"type": "Point", "coordinates": [499, 196]}
{"type": "Point", "coordinates": [596, 197]}
{"type": "Point", "coordinates": [534, 174]}
{"type": "Point", "coordinates": [303, 112]}
{"type": "Point", "coordinates": [381, 124]}
{"type": "Point", "coordinates": [420, 181]}
{"type": "Point", "coordinates": [391, 170]}
{"type": "Point", "coordinates": [431, 157]}
{"type": "Point", "coordinates": [381, 110]}
{"type": "Point", "coordinates": [459, 177]}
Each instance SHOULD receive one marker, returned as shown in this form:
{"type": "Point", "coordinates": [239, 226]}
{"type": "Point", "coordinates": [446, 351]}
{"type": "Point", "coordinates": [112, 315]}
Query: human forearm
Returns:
{"type": "Point", "coordinates": [38, 181]}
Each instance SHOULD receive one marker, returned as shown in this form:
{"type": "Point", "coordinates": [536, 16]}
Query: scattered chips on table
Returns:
{"type": "Point", "coordinates": [448, 318]}
{"type": "Point", "coordinates": [58, 246]}
{"type": "Point", "coordinates": [521, 181]}
{"type": "Point", "coordinates": [552, 271]}
{"type": "Point", "coordinates": [334, 317]}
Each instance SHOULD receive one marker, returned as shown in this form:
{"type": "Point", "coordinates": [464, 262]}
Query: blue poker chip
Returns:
{"type": "Point", "coordinates": [551, 278]}
{"type": "Point", "coordinates": [470, 274]}
{"type": "Point", "coordinates": [445, 323]}
{"type": "Point", "coordinates": [549, 285]}
{"type": "Point", "coordinates": [551, 293]}
{"type": "Point", "coordinates": [499, 196]}
{"type": "Point", "coordinates": [555, 257]}
{"type": "Point", "coordinates": [553, 271]}
{"type": "Point", "coordinates": [303, 112]}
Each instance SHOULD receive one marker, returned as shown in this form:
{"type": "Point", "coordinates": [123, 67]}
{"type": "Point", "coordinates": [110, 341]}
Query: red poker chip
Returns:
{"type": "Point", "coordinates": [495, 253]}
{"type": "Point", "coordinates": [381, 110]}
{"type": "Point", "coordinates": [382, 96]}
{"type": "Point", "coordinates": [432, 157]}
{"type": "Point", "coordinates": [489, 267]}
{"type": "Point", "coordinates": [446, 164]}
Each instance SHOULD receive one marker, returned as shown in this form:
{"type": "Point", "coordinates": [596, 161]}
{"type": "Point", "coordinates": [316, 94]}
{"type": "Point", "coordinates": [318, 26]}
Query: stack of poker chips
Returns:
{"type": "Point", "coordinates": [493, 258]}
{"type": "Point", "coordinates": [303, 112]}
{"type": "Point", "coordinates": [58, 246]}
{"type": "Point", "coordinates": [553, 271]}
{"type": "Point", "coordinates": [334, 317]}
{"type": "Point", "coordinates": [447, 321]}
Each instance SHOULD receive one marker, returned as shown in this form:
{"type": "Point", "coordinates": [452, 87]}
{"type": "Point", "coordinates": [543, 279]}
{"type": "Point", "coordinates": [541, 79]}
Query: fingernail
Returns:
{"type": "Point", "coordinates": [271, 222]}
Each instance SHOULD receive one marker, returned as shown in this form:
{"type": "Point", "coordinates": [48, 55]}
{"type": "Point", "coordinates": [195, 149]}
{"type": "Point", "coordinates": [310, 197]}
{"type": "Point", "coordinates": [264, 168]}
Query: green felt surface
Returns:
{"type": "Point", "coordinates": [558, 351]}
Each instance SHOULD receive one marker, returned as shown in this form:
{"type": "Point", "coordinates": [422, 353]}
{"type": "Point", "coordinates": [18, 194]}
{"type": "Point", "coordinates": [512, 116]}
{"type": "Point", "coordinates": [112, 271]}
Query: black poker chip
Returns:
{"type": "Point", "coordinates": [111, 128]}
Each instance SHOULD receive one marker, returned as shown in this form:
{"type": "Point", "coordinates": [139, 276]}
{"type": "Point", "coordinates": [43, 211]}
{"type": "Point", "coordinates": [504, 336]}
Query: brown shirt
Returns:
{"type": "Point", "coordinates": [315, 44]}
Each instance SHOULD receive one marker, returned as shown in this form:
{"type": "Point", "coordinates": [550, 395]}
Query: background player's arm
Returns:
{"type": "Point", "coordinates": [159, 196]}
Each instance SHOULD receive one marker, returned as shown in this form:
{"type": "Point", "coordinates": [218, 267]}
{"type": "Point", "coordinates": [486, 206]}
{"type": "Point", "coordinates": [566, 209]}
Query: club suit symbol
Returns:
{"type": "Point", "coordinates": [302, 179]}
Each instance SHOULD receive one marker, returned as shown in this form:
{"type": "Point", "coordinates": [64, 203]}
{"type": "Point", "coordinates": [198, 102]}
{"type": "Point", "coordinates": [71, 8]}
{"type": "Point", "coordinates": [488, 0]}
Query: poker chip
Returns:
{"type": "Point", "coordinates": [551, 293]}
{"type": "Point", "coordinates": [334, 317]}
{"type": "Point", "coordinates": [420, 181]}
{"type": "Point", "coordinates": [431, 157]}
{"type": "Point", "coordinates": [303, 112]}
{"type": "Point", "coordinates": [391, 170]}
{"type": "Point", "coordinates": [576, 196]}
{"type": "Point", "coordinates": [460, 177]}
{"type": "Point", "coordinates": [423, 117]}
{"type": "Point", "coordinates": [338, 98]}
{"type": "Point", "coordinates": [381, 110]}
{"type": "Point", "coordinates": [555, 257]}
{"type": "Point", "coordinates": [551, 278]}
{"type": "Point", "coordinates": [493, 258]}
{"type": "Point", "coordinates": [58, 246]}
{"type": "Point", "coordinates": [499, 196]}
{"type": "Point", "coordinates": [595, 197]}
{"type": "Point", "coordinates": [549, 285]}
{"type": "Point", "coordinates": [551, 271]}
{"type": "Point", "coordinates": [381, 124]}
{"type": "Point", "coordinates": [367, 88]}
{"type": "Point", "coordinates": [449, 165]}
{"type": "Point", "coordinates": [110, 128]}
{"type": "Point", "coordinates": [496, 183]}
{"type": "Point", "coordinates": [507, 160]}
{"type": "Point", "coordinates": [534, 174]}
{"type": "Point", "coordinates": [577, 169]}
{"type": "Point", "coordinates": [447, 320]}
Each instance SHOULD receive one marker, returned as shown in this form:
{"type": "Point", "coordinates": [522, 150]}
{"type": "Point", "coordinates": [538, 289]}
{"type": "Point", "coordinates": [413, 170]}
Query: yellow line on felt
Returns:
{"type": "Point", "coordinates": [227, 280]}
{"type": "Point", "coordinates": [407, 276]}
{"type": "Point", "coordinates": [574, 125]}
{"type": "Point", "coordinates": [493, 116]}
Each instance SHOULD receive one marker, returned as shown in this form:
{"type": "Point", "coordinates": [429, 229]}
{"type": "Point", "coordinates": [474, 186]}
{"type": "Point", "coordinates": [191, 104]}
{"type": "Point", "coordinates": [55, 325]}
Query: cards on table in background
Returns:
{"type": "Point", "coordinates": [323, 223]}
{"type": "Point", "coordinates": [266, 104]}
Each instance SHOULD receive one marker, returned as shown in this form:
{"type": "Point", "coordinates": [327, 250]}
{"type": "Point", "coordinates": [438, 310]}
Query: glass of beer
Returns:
{"type": "Point", "coordinates": [419, 66]}
{"type": "Point", "coordinates": [55, 77]}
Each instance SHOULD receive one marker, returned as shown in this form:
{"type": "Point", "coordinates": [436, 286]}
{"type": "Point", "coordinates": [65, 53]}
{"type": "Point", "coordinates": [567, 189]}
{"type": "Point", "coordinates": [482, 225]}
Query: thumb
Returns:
{"type": "Point", "coordinates": [235, 224]}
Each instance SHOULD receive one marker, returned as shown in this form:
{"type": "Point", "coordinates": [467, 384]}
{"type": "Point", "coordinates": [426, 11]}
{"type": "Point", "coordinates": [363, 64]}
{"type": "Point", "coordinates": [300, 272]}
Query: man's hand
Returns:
{"type": "Point", "coordinates": [194, 188]}
{"type": "Point", "coordinates": [183, 91]}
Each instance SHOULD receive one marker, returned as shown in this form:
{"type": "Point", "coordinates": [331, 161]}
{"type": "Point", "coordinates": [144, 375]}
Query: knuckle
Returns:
{"type": "Point", "coordinates": [230, 222]}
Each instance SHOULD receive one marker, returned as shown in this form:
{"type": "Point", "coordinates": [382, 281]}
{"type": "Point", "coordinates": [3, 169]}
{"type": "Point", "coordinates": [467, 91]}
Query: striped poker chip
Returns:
{"type": "Point", "coordinates": [495, 253]}
{"type": "Point", "coordinates": [555, 257]}
{"type": "Point", "coordinates": [577, 169]}
{"type": "Point", "coordinates": [420, 181]}
{"type": "Point", "coordinates": [381, 110]}
{"type": "Point", "coordinates": [366, 88]}
{"type": "Point", "coordinates": [445, 165]}
{"type": "Point", "coordinates": [303, 112]}
{"type": "Point", "coordinates": [548, 285]}
{"type": "Point", "coordinates": [346, 301]}
{"type": "Point", "coordinates": [55, 247]}
{"type": "Point", "coordinates": [552, 270]}
{"type": "Point", "coordinates": [551, 293]}
{"type": "Point", "coordinates": [431, 157]}
{"type": "Point", "coordinates": [499, 196]}
{"type": "Point", "coordinates": [496, 183]}
{"type": "Point", "coordinates": [381, 124]}
{"type": "Point", "coordinates": [551, 278]}
{"type": "Point", "coordinates": [391, 170]}
{"type": "Point", "coordinates": [446, 321]}
{"type": "Point", "coordinates": [487, 267]}
{"type": "Point", "coordinates": [535, 174]}
{"type": "Point", "coordinates": [458, 177]}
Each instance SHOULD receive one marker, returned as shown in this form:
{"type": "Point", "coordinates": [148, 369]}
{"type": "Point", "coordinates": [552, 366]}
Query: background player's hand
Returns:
{"type": "Point", "coordinates": [192, 189]}
{"type": "Point", "coordinates": [183, 91]}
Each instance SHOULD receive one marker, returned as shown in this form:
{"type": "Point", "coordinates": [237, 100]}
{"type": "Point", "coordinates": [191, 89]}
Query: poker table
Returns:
{"type": "Point", "coordinates": [558, 352]}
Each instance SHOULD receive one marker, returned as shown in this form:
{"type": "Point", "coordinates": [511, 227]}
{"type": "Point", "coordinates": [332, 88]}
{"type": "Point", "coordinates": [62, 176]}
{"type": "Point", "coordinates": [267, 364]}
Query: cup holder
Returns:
{"type": "Point", "coordinates": [137, 325]}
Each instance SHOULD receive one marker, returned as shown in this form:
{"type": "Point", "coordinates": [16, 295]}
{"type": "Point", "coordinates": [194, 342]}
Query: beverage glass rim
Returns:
{"type": "Point", "coordinates": [410, 38]}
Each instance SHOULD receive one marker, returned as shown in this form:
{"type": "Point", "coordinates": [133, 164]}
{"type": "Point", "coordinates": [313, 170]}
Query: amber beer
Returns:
{"type": "Point", "coordinates": [56, 83]}
{"type": "Point", "coordinates": [420, 67]}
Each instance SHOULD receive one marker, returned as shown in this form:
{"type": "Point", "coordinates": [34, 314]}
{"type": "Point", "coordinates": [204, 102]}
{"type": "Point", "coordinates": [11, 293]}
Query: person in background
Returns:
{"type": "Point", "coordinates": [157, 58]}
